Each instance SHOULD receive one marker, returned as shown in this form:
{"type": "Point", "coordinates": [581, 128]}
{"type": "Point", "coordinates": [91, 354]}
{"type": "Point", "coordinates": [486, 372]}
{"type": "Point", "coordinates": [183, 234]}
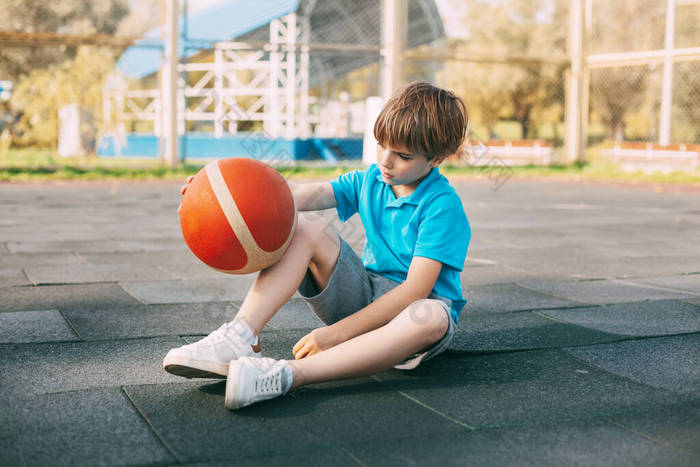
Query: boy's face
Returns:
{"type": "Point", "coordinates": [402, 169]}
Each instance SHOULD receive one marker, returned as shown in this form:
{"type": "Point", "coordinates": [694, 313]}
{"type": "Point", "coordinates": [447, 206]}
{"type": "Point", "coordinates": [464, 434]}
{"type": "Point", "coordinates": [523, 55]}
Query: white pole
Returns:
{"type": "Point", "coordinates": [585, 77]}
{"type": "Point", "coordinates": [291, 84]}
{"type": "Point", "coordinates": [170, 83]}
{"type": "Point", "coordinates": [272, 116]}
{"type": "Point", "coordinates": [373, 106]}
{"type": "Point", "coordinates": [574, 83]}
{"type": "Point", "coordinates": [667, 83]}
{"type": "Point", "coordinates": [304, 128]}
{"type": "Point", "coordinates": [394, 20]}
{"type": "Point", "coordinates": [218, 89]}
{"type": "Point", "coordinates": [107, 108]}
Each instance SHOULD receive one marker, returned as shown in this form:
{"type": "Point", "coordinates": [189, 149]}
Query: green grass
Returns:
{"type": "Point", "coordinates": [594, 171]}
{"type": "Point", "coordinates": [44, 165]}
{"type": "Point", "coordinates": [19, 165]}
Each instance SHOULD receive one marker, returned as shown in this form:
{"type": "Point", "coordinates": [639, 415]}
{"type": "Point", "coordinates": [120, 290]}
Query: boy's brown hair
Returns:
{"type": "Point", "coordinates": [427, 120]}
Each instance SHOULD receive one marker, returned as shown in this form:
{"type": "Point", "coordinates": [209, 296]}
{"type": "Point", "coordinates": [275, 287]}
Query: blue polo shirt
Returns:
{"type": "Point", "coordinates": [430, 223]}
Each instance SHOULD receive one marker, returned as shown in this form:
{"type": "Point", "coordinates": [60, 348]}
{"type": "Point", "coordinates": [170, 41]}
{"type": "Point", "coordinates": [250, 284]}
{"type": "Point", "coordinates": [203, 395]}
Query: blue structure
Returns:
{"type": "Point", "coordinates": [254, 145]}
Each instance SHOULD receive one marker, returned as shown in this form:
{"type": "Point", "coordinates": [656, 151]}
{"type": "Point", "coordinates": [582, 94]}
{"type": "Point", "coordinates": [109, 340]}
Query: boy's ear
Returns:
{"type": "Point", "coordinates": [437, 161]}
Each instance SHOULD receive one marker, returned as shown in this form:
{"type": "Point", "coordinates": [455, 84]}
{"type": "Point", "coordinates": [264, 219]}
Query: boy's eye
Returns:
{"type": "Point", "coordinates": [403, 157]}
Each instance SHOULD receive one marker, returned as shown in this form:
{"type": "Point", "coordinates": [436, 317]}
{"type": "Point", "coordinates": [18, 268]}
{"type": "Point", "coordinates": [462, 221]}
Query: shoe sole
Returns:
{"type": "Point", "coordinates": [190, 368]}
{"type": "Point", "coordinates": [232, 385]}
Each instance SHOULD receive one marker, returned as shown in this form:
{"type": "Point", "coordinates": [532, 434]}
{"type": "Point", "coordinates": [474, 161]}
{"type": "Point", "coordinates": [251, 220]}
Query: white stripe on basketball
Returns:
{"type": "Point", "coordinates": [228, 205]}
{"type": "Point", "coordinates": [257, 257]}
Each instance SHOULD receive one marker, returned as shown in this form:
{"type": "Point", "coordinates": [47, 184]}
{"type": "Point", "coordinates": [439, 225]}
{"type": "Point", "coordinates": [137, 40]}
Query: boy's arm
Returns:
{"type": "Point", "coordinates": [422, 274]}
{"type": "Point", "coordinates": [313, 196]}
{"type": "Point", "coordinates": [307, 196]}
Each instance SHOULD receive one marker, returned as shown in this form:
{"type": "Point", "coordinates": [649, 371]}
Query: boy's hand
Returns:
{"type": "Point", "coordinates": [183, 189]}
{"type": "Point", "coordinates": [314, 342]}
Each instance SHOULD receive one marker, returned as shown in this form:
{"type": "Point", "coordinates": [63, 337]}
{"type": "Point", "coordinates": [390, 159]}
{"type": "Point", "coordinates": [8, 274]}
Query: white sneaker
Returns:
{"type": "Point", "coordinates": [253, 380]}
{"type": "Point", "coordinates": [209, 357]}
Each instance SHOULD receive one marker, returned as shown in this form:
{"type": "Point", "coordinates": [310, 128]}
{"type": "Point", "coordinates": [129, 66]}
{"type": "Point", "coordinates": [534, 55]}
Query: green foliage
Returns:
{"type": "Point", "coordinates": [44, 164]}
{"type": "Point", "coordinates": [64, 16]}
{"type": "Point", "coordinates": [624, 97]}
{"type": "Point", "coordinates": [509, 130]}
{"type": "Point", "coordinates": [48, 77]}
{"type": "Point", "coordinates": [686, 111]}
{"type": "Point", "coordinates": [528, 92]}
{"type": "Point", "coordinates": [41, 94]}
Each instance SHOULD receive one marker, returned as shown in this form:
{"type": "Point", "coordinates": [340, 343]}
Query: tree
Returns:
{"type": "Point", "coordinates": [512, 90]}
{"type": "Point", "coordinates": [40, 95]}
{"type": "Point", "coordinates": [686, 85]}
{"type": "Point", "coordinates": [623, 26]}
{"type": "Point", "coordinates": [48, 77]}
{"type": "Point", "coordinates": [686, 101]}
{"type": "Point", "coordinates": [66, 16]}
{"type": "Point", "coordinates": [484, 87]}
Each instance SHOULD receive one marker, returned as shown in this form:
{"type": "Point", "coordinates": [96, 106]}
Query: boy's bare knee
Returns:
{"type": "Point", "coordinates": [310, 227]}
{"type": "Point", "coordinates": [306, 221]}
{"type": "Point", "coordinates": [430, 318]}
{"type": "Point", "coordinates": [321, 241]}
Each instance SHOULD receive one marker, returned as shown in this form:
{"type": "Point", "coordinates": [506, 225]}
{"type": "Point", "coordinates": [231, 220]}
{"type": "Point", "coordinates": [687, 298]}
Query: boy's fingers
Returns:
{"type": "Point", "coordinates": [303, 352]}
{"type": "Point", "coordinates": [298, 345]}
{"type": "Point", "coordinates": [183, 188]}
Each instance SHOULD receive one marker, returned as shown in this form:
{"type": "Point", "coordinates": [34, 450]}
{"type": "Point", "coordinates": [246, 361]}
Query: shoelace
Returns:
{"type": "Point", "coordinates": [269, 384]}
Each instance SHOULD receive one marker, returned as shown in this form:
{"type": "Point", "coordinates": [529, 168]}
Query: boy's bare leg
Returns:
{"type": "Point", "coordinates": [417, 327]}
{"type": "Point", "coordinates": [313, 246]}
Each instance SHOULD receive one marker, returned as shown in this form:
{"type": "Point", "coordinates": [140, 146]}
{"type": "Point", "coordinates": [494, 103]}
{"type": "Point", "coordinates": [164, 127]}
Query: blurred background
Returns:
{"type": "Point", "coordinates": [546, 82]}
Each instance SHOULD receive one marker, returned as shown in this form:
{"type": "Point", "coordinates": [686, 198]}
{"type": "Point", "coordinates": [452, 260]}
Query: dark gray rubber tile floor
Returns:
{"type": "Point", "coordinates": [579, 344]}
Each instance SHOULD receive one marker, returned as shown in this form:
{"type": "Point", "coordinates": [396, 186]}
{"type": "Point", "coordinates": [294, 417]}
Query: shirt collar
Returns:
{"type": "Point", "coordinates": [415, 197]}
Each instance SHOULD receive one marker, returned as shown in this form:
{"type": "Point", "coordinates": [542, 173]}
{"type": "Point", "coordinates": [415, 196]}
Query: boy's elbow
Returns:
{"type": "Point", "coordinates": [313, 196]}
{"type": "Point", "coordinates": [417, 291]}
{"type": "Point", "coordinates": [300, 195]}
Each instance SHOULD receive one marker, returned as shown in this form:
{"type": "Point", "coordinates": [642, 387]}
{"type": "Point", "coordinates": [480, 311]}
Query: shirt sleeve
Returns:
{"type": "Point", "coordinates": [347, 193]}
{"type": "Point", "coordinates": [444, 233]}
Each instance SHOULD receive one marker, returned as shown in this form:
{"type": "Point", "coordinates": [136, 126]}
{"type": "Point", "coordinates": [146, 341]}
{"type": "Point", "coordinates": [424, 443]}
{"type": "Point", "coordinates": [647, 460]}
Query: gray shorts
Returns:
{"type": "Point", "coordinates": [351, 287]}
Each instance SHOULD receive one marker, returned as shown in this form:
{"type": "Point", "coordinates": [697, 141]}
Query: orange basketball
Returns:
{"type": "Point", "coordinates": [238, 215]}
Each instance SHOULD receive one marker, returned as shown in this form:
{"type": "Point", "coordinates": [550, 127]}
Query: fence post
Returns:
{"type": "Point", "coordinates": [290, 87]}
{"type": "Point", "coordinates": [667, 83]}
{"type": "Point", "coordinates": [394, 29]}
{"type": "Point", "coordinates": [574, 85]}
{"type": "Point", "coordinates": [170, 91]}
{"type": "Point", "coordinates": [585, 77]}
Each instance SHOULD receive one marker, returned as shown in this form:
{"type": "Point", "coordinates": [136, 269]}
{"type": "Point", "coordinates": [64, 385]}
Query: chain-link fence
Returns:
{"type": "Point", "coordinates": [644, 58]}
{"type": "Point", "coordinates": [624, 104]}
{"type": "Point", "coordinates": [509, 101]}
{"type": "Point", "coordinates": [309, 80]}
{"type": "Point", "coordinates": [686, 103]}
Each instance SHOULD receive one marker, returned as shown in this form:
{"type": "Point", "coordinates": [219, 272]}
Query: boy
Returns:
{"type": "Point", "coordinates": [395, 307]}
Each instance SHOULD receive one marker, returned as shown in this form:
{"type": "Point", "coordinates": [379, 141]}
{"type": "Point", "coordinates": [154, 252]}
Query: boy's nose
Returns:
{"type": "Point", "coordinates": [386, 161]}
